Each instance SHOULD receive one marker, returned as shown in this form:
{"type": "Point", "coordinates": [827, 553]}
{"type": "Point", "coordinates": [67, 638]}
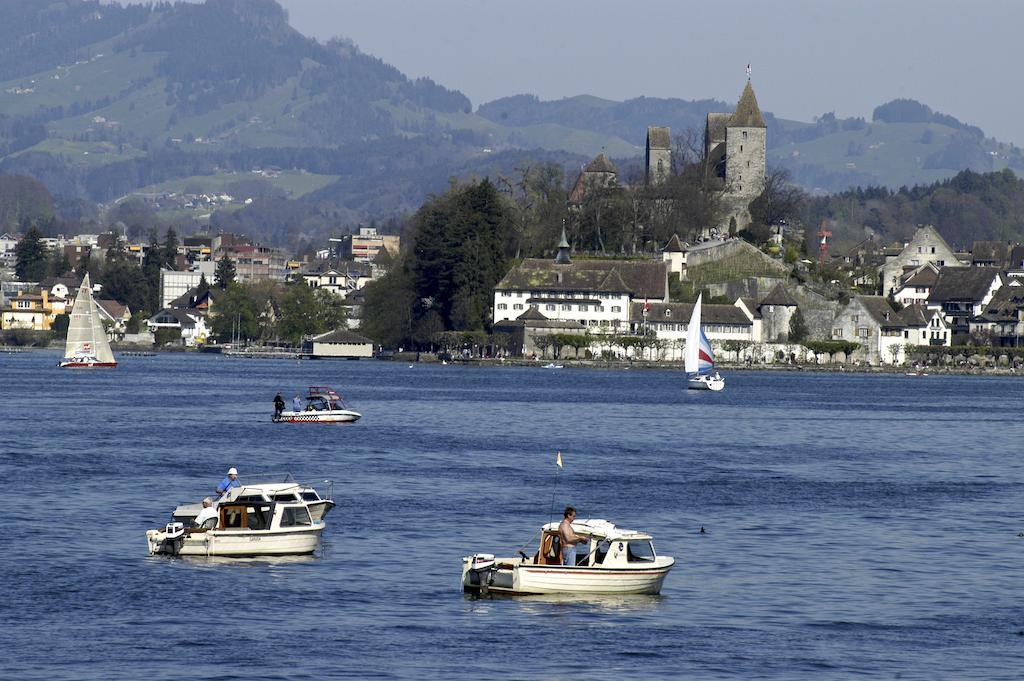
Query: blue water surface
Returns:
{"type": "Point", "coordinates": [857, 526]}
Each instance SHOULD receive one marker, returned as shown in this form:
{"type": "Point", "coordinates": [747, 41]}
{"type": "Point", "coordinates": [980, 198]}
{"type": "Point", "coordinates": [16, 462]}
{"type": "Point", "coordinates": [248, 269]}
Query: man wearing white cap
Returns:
{"type": "Point", "coordinates": [231, 480]}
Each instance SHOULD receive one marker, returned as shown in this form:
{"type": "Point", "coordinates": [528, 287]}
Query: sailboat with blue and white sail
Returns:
{"type": "Point", "coordinates": [700, 359]}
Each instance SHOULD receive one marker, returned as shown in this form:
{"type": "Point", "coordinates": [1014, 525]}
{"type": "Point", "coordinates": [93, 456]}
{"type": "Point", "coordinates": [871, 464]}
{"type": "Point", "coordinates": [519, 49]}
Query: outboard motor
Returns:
{"type": "Point", "coordinates": [481, 569]}
{"type": "Point", "coordinates": [174, 537]}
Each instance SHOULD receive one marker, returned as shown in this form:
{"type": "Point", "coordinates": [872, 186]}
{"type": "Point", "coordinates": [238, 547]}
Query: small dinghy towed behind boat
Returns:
{"type": "Point", "coordinates": [252, 520]}
{"type": "Point", "coordinates": [323, 405]}
{"type": "Point", "coordinates": [618, 562]}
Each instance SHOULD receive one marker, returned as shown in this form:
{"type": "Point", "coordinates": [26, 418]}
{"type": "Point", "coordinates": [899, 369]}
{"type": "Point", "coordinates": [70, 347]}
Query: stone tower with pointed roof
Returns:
{"type": "Point", "coordinates": [734, 146]}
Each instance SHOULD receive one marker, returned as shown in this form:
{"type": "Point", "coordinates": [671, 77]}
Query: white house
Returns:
{"type": "Point", "coordinates": [884, 333]}
{"type": "Point", "coordinates": [916, 285]}
{"type": "Point", "coordinates": [963, 293]}
{"type": "Point", "coordinates": [670, 321]}
{"type": "Point", "coordinates": [342, 278]}
{"type": "Point", "coordinates": [190, 324]}
{"type": "Point", "coordinates": [926, 246]}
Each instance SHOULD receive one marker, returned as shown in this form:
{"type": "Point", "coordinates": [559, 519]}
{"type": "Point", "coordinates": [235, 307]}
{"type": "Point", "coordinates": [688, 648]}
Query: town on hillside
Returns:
{"type": "Point", "coordinates": [770, 295]}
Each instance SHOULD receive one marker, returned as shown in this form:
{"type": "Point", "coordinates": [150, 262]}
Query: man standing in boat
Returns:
{"type": "Point", "coordinates": [229, 481]}
{"type": "Point", "coordinates": [569, 538]}
{"type": "Point", "coordinates": [278, 406]}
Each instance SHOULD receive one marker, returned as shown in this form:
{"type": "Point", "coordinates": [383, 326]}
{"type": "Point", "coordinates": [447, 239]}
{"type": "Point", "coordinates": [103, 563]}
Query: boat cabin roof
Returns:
{"type": "Point", "coordinates": [270, 489]}
{"type": "Point", "coordinates": [603, 529]}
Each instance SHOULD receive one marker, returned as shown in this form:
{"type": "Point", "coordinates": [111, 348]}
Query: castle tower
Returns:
{"type": "Point", "coordinates": [659, 155]}
{"type": "Point", "coordinates": [734, 149]}
{"type": "Point", "coordinates": [745, 142]}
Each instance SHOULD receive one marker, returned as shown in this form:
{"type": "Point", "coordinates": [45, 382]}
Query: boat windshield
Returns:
{"type": "Point", "coordinates": [292, 516]}
{"type": "Point", "coordinates": [640, 551]}
{"type": "Point", "coordinates": [318, 404]}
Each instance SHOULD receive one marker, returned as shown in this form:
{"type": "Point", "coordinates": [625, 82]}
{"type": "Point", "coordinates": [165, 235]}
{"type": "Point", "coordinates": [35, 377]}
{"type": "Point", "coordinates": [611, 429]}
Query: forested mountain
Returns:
{"type": "Point", "coordinates": [965, 208]}
{"type": "Point", "coordinates": [100, 102]}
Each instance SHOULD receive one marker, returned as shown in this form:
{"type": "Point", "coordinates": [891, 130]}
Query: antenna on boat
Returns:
{"type": "Point", "coordinates": [551, 509]}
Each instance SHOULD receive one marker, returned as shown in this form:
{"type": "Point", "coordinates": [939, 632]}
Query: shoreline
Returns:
{"type": "Point", "coordinates": [673, 365]}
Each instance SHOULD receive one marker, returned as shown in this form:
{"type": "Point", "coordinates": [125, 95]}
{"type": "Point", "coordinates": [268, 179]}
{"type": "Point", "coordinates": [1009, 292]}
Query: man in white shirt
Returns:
{"type": "Point", "coordinates": [209, 512]}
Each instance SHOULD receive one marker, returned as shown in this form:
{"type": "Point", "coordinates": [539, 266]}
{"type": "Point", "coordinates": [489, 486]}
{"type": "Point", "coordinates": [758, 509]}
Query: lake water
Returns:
{"type": "Point", "coordinates": [856, 525]}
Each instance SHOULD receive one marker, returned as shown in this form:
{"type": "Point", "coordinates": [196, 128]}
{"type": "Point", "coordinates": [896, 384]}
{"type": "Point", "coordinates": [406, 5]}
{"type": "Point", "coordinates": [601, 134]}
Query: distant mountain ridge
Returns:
{"type": "Point", "coordinates": [101, 101]}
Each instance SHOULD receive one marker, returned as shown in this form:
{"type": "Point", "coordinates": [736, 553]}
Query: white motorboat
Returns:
{"type": "Point", "coordinates": [246, 525]}
{"type": "Point", "coordinates": [282, 488]}
{"type": "Point", "coordinates": [86, 346]}
{"type": "Point", "coordinates": [699, 357]}
{"type": "Point", "coordinates": [552, 365]}
{"type": "Point", "coordinates": [613, 561]}
{"type": "Point", "coordinates": [323, 405]}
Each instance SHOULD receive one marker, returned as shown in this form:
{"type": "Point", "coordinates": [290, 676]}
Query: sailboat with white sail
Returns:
{"type": "Point", "coordinates": [700, 360]}
{"type": "Point", "coordinates": [87, 345]}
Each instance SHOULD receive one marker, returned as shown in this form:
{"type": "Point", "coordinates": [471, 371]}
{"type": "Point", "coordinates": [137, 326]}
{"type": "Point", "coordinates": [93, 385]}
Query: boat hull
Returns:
{"type": "Point", "coordinates": [87, 365]}
{"type": "Point", "coordinates": [706, 383]}
{"type": "Point", "coordinates": [237, 543]}
{"type": "Point", "coordinates": [529, 579]}
{"type": "Point", "coordinates": [336, 416]}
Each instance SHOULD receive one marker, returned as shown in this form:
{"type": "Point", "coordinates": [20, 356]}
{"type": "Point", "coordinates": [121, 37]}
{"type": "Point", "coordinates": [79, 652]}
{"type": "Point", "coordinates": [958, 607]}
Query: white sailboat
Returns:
{"type": "Point", "coordinates": [87, 345]}
{"type": "Point", "coordinates": [700, 360]}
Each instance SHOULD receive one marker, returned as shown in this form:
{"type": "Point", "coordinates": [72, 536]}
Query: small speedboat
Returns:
{"type": "Point", "coordinates": [323, 405]}
{"type": "Point", "coordinates": [247, 524]}
{"type": "Point", "coordinates": [613, 561]}
{"type": "Point", "coordinates": [552, 365]}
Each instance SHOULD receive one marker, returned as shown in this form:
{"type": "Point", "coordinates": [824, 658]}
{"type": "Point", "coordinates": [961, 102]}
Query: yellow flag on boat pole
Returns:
{"type": "Point", "coordinates": [558, 459]}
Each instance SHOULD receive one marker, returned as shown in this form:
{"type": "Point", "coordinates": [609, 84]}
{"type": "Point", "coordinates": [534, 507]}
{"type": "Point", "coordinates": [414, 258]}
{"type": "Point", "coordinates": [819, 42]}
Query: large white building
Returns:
{"type": "Point", "coordinates": [595, 293]}
{"type": "Point", "coordinates": [174, 284]}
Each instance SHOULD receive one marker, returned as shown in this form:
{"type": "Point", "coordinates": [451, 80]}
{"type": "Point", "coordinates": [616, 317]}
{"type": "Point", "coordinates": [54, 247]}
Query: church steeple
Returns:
{"type": "Point", "coordinates": [562, 257]}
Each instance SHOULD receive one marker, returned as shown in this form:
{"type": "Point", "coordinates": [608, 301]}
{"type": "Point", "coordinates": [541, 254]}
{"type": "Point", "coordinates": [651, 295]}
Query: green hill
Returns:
{"type": "Point", "coordinates": [102, 101]}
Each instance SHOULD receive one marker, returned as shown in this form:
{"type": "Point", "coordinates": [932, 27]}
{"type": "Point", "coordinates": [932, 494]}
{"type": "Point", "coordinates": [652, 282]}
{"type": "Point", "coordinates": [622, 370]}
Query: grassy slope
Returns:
{"type": "Point", "coordinates": [296, 183]}
{"type": "Point", "coordinates": [891, 152]}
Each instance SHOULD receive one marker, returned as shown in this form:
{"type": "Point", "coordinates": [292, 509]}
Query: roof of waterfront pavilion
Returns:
{"type": "Point", "coordinates": [641, 278]}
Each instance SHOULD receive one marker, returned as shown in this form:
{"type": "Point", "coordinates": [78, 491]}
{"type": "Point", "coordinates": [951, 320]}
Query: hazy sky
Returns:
{"type": "Point", "coordinates": [807, 56]}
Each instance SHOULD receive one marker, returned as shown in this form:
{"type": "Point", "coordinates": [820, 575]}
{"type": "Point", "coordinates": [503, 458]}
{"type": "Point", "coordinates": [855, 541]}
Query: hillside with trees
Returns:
{"type": "Point", "coordinates": [968, 207]}
{"type": "Point", "coordinates": [99, 102]}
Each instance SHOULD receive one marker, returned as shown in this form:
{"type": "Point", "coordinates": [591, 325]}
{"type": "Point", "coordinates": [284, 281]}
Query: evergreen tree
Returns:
{"type": "Point", "coordinates": [170, 249]}
{"type": "Point", "coordinates": [459, 254]}
{"type": "Point", "coordinates": [30, 257]}
{"type": "Point", "coordinates": [797, 327]}
{"type": "Point", "coordinates": [83, 265]}
{"type": "Point", "coordinates": [125, 282]}
{"type": "Point", "coordinates": [203, 286]}
{"type": "Point", "coordinates": [58, 264]}
{"type": "Point", "coordinates": [224, 275]}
